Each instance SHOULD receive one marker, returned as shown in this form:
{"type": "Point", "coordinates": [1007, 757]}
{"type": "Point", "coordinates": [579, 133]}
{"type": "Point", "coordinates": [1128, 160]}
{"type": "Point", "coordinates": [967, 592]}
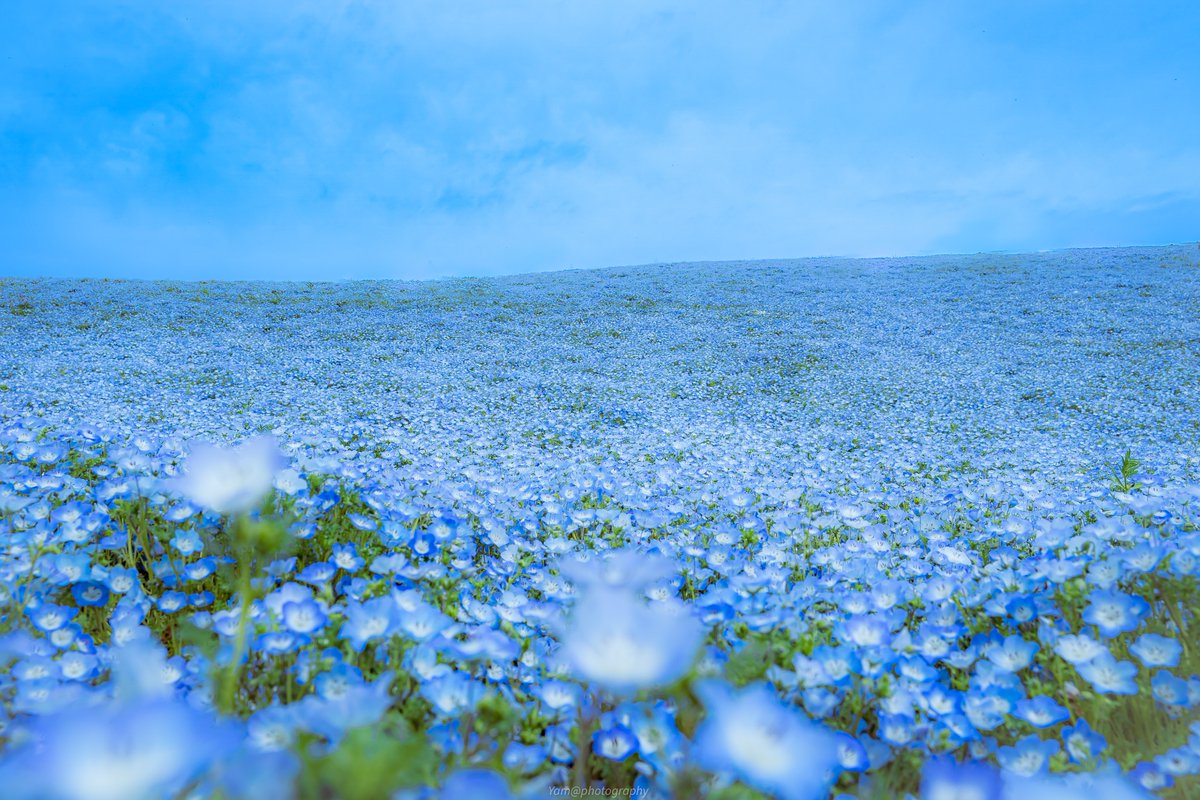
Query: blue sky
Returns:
{"type": "Point", "coordinates": [305, 139]}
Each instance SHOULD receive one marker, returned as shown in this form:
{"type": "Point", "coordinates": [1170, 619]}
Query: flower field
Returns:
{"type": "Point", "coordinates": [883, 528]}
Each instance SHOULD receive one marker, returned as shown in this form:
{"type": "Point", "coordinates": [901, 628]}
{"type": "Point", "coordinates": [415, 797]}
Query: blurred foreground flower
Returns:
{"type": "Point", "coordinates": [230, 480]}
{"type": "Point", "coordinates": [771, 746]}
{"type": "Point", "coordinates": [619, 643]}
{"type": "Point", "coordinates": [141, 743]}
{"type": "Point", "coordinates": [1105, 784]}
{"type": "Point", "coordinates": [945, 779]}
{"type": "Point", "coordinates": [145, 750]}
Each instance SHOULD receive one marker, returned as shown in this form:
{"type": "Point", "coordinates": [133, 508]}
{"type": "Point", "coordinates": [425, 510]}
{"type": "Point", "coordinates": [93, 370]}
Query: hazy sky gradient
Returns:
{"type": "Point", "coordinates": [302, 139]}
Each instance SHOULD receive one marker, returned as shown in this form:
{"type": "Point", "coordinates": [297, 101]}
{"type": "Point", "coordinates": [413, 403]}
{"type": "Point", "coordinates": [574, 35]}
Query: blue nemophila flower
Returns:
{"type": "Point", "coordinates": [1106, 784]}
{"type": "Point", "coordinates": [35, 668]}
{"type": "Point", "coordinates": [751, 735]}
{"type": "Point", "coordinates": [839, 664]}
{"type": "Point", "coordinates": [279, 642]}
{"type": "Point", "coordinates": [944, 779]}
{"type": "Point", "coordinates": [1082, 743]}
{"type": "Point", "coordinates": [67, 636]}
{"type": "Point", "coordinates": [69, 567]}
{"type": "Point", "coordinates": [1109, 676]}
{"type": "Point", "coordinates": [1179, 761]}
{"type": "Point", "coordinates": [558, 744]}
{"type": "Point", "coordinates": [49, 617]}
{"type": "Point", "coordinates": [352, 587]}
{"type": "Point", "coordinates": [1021, 609]}
{"type": "Point", "coordinates": [1078, 649]}
{"type": "Point", "coordinates": [619, 643]}
{"type": "Point", "coordinates": [362, 522]}
{"type": "Point", "coordinates": [1157, 651]}
{"type": "Point", "coordinates": [229, 480]}
{"type": "Point", "coordinates": [1041, 711]}
{"type": "Point", "coordinates": [897, 729]}
{"type": "Point", "coordinates": [280, 567]}
{"type": "Point", "coordinates": [986, 709]}
{"type": "Point", "coordinates": [187, 542]}
{"type": "Point", "coordinates": [474, 784]}
{"type": "Point", "coordinates": [171, 601]}
{"type": "Point", "coordinates": [121, 579]}
{"type": "Point", "coordinates": [200, 569]}
{"type": "Point", "coordinates": [69, 513]}
{"type": "Point", "coordinates": [852, 756]}
{"type": "Point", "coordinates": [45, 696]}
{"type": "Point", "coordinates": [1144, 557]}
{"type": "Point", "coordinates": [290, 482]}
{"type": "Point", "coordinates": [628, 568]}
{"type": "Point", "coordinates": [326, 499]}
{"type": "Point", "coordinates": [345, 556]}
{"type": "Point", "coordinates": [389, 563]}
{"type": "Point", "coordinates": [141, 669]}
{"type": "Point", "coordinates": [809, 671]}
{"type": "Point", "coordinates": [290, 592]}
{"type": "Point", "coordinates": [615, 742]}
{"type": "Point", "coordinates": [141, 751]}
{"type": "Point", "coordinates": [1150, 776]}
{"type": "Point", "coordinates": [338, 679]}
{"type": "Point", "coordinates": [303, 530]}
{"type": "Point", "coordinates": [317, 573]}
{"type": "Point", "coordinates": [991, 677]}
{"type": "Point", "coordinates": [203, 599]}
{"type": "Point", "coordinates": [76, 666]}
{"type": "Point", "coordinates": [558, 696]}
{"type": "Point", "coordinates": [483, 643]}
{"type": "Point", "coordinates": [126, 624]}
{"type": "Point", "coordinates": [917, 670]}
{"type": "Point", "coordinates": [369, 620]}
{"type": "Point", "coordinates": [181, 511]}
{"type": "Point", "coordinates": [524, 758]}
{"type": "Point", "coordinates": [423, 544]}
{"type": "Point", "coordinates": [866, 630]}
{"type": "Point", "coordinates": [423, 622]}
{"type": "Point", "coordinates": [1029, 756]}
{"type": "Point", "coordinates": [941, 701]}
{"type": "Point", "coordinates": [50, 453]}
{"type": "Point", "coordinates": [1114, 613]}
{"type": "Point", "coordinates": [1105, 574]}
{"type": "Point", "coordinates": [343, 702]}
{"type": "Point", "coordinates": [303, 616]}
{"type": "Point", "coordinates": [453, 693]}
{"type": "Point", "coordinates": [654, 726]}
{"type": "Point", "coordinates": [820, 702]}
{"type": "Point", "coordinates": [90, 593]}
{"type": "Point", "coordinates": [1169, 689]}
{"type": "Point", "coordinates": [1013, 654]}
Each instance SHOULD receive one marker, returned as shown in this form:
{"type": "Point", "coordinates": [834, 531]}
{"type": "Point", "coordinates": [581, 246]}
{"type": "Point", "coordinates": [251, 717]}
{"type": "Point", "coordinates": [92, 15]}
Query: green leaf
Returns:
{"type": "Point", "coordinates": [370, 763]}
{"type": "Point", "coordinates": [749, 664]}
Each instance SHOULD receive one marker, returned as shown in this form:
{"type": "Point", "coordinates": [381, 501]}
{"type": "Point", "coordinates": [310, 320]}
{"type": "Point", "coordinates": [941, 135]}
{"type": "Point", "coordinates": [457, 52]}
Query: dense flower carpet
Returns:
{"type": "Point", "coordinates": [919, 527]}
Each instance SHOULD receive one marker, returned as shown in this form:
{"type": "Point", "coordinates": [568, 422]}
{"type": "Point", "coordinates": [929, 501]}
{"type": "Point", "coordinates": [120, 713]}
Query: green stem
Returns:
{"type": "Point", "coordinates": [1173, 610]}
{"type": "Point", "coordinates": [147, 551]}
{"type": "Point", "coordinates": [584, 751]}
{"type": "Point", "coordinates": [130, 550]}
{"type": "Point", "coordinates": [27, 579]}
{"type": "Point", "coordinates": [229, 687]}
{"type": "Point", "coordinates": [174, 566]}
